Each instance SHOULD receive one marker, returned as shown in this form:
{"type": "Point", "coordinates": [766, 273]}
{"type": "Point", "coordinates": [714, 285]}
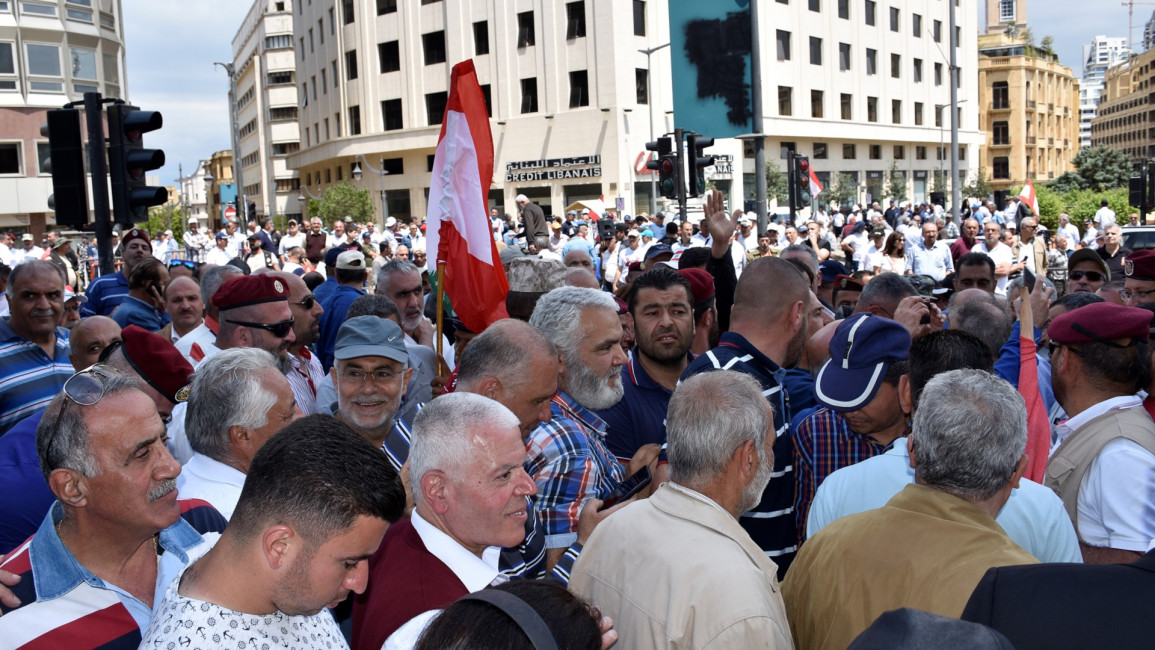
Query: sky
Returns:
{"type": "Point", "coordinates": [171, 46]}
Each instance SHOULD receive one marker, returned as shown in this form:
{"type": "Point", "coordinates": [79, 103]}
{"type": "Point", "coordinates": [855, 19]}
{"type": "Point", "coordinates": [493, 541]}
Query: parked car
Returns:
{"type": "Point", "coordinates": [1138, 238]}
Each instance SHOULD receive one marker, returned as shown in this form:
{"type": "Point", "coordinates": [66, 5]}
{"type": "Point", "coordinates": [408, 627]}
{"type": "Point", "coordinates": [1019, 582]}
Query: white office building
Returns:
{"type": "Point", "coordinates": [1100, 54]}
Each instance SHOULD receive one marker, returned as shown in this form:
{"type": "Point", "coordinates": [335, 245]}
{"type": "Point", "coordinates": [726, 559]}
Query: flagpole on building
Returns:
{"type": "Point", "coordinates": [440, 315]}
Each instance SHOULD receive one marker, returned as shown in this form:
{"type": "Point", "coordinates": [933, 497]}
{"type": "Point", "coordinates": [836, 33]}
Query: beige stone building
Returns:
{"type": "Point", "coordinates": [1123, 121]}
{"type": "Point", "coordinates": [1029, 109]}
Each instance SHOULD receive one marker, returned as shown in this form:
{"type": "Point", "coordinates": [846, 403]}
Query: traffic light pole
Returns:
{"type": "Point", "coordinates": [98, 169]}
{"type": "Point", "coordinates": [679, 148]}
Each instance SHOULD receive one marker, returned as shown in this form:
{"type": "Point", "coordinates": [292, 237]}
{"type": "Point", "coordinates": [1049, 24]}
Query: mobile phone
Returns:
{"type": "Point", "coordinates": [628, 488]}
{"type": "Point", "coordinates": [1028, 280]}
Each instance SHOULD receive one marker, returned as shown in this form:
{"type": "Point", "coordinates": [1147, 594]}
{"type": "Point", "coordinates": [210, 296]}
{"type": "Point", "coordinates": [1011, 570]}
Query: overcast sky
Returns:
{"type": "Point", "coordinates": [171, 46]}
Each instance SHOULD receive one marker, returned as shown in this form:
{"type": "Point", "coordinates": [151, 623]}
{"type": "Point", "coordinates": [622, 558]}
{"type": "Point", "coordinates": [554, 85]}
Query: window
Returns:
{"type": "Point", "coordinates": [815, 103]}
{"type": "Point", "coordinates": [529, 95]}
{"type": "Point", "coordinates": [347, 10]}
{"type": "Point", "coordinates": [938, 74]}
{"type": "Point", "coordinates": [327, 136]}
{"type": "Point", "coordinates": [1002, 168]}
{"type": "Point", "coordinates": [481, 37]}
{"type": "Point", "coordinates": [785, 100]}
{"type": "Point", "coordinates": [389, 56]}
{"type": "Point", "coordinates": [785, 149]}
{"type": "Point", "coordinates": [279, 41]}
{"type": "Point", "coordinates": [918, 113]}
{"type": "Point", "coordinates": [333, 68]}
{"type": "Point", "coordinates": [289, 113]}
{"type": "Point", "coordinates": [815, 51]}
{"type": "Point", "coordinates": [1000, 97]}
{"type": "Point", "coordinates": [1006, 11]}
{"type": "Point", "coordinates": [321, 30]}
{"type": "Point", "coordinates": [938, 116]}
{"type": "Point", "coordinates": [43, 60]}
{"type": "Point", "coordinates": [849, 152]}
{"type": "Point", "coordinates": [918, 71]}
{"type": "Point", "coordinates": [337, 123]}
{"type": "Point", "coordinates": [435, 107]}
{"type": "Point", "coordinates": [871, 109]}
{"type": "Point", "coordinates": [43, 152]}
{"type": "Point", "coordinates": [277, 78]}
{"type": "Point", "coordinates": [962, 151]}
{"type": "Point", "coordinates": [844, 56]}
{"type": "Point", "coordinates": [845, 102]}
{"type": "Point", "coordinates": [844, 9]}
{"type": "Point", "coordinates": [783, 40]}
{"type": "Point", "coordinates": [1002, 133]}
{"type": "Point", "coordinates": [639, 18]}
{"type": "Point", "coordinates": [896, 111]}
{"type": "Point", "coordinates": [642, 85]}
{"type": "Point", "coordinates": [304, 94]}
{"type": "Point", "coordinates": [820, 151]}
{"type": "Point", "coordinates": [875, 152]}
{"type": "Point", "coordinates": [575, 25]}
{"type": "Point", "coordinates": [41, 10]}
{"type": "Point", "coordinates": [433, 45]}
{"type": "Point", "coordinates": [525, 34]}
{"type": "Point", "coordinates": [83, 63]}
{"type": "Point", "coordinates": [871, 61]}
{"type": "Point", "coordinates": [314, 80]}
{"type": "Point", "coordinates": [351, 65]}
{"type": "Point", "coordinates": [324, 85]}
{"type": "Point", "coordinates": [894, 19]}
{"type": "Point", "coordinates": [815, 5]}
{"type": "Point", "coordinates": [579, 90]}
{"type": "Point", "coordinates": [899, 152]}
{"type": "Point", "coordinates": [302, 48]}
{"type": "Point", "coordinates": [916, 25]}
{"type": "Point", "coordinates": [920, 153]}
{"type": "Point", "coordinates": [936, 31]}
{"type": "Point", "coordinates": [870, 6]}
{"type": "Point", "coordinates": [488, 100]}
{"type": "Point", "coordinates": [9, 157]}
{"type": "Point", "coordinates": [384, 7]}
{"type": "Point", "coordinates": [354, 120]}
{"type": "Point", "coordinates": [332, 31]}
{"type": "Point", "coordinates": [896, 65]}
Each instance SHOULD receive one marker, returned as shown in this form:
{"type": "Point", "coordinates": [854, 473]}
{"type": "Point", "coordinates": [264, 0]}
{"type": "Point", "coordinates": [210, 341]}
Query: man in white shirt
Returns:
{"type": "Point", "coordinates": [196, 243]}
{"type": "Point", "coordinates": [219, 255]}
{"type": "Point", "coordinates": [291, 239]}
{"type": "Point", "coordinates": [855, 245]}
{"type": "Point", "coordinates": [1104, 217]}
{"type": "Point", "coordinates": [1000, 253]}
{"type": "Point", "coordinates": [1068, 230]}
{"type": "Point", "coordinates": [1091, 236]}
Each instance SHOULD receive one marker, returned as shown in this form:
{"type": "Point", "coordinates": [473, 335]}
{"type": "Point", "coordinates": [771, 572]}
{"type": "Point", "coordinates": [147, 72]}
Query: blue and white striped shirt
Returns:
{"type": "Point", "coordinates": [28, 378]}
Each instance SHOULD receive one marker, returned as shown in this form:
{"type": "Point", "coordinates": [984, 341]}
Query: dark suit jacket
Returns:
{"type": "Point", "coordinates": [1069, 605]}
{"type": "Point", "coordinates": [534, 220]}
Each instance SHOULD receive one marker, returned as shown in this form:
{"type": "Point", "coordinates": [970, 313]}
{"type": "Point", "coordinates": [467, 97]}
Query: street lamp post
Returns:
{"type": "Point", "coordinates": [383, 173]}
{"type": "Point", "coordinates": [233, 122]}
{"type": "Point", "coordinates": [938, 111]}
{"type": "Point", "coordinates": [650, 110]}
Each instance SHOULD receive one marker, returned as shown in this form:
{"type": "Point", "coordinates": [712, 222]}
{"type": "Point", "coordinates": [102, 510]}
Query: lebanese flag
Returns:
{"type": "Point", "coordinates": [815, 186]}
{"type": "Point", "coordinates": [594, 216]}
{"type": "Point", "coordinates": [458, 225]}
{"type": "Point", "coordinates": [1028, 196]}
{"type": "Point", "coordinates": [1038, 422]}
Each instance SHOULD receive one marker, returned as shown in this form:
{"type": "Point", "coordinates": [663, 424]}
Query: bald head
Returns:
{"type": "Point", "coordinates": [89, 338]}
{"type": "Point", "coordinates": [505, 350]}
{"type": "Point", "coordinates": [768, 289]}
{"type": "Point", "coordinates": [579, 276]}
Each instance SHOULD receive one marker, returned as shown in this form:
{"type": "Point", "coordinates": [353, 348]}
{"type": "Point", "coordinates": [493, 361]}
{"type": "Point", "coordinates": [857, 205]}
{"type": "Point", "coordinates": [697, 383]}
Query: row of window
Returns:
{"type": "Point", "coordinates": [42, 9]}
{"type": "Point", "coordinates": [869, 17]}
{"type": "Point", "coordinates": [43, 65]}
{"type": "Point", "coordinates": [783, 38]}
{"type": "Point", "coordinates": [874, 151]}
{"type": "Point", "coordinates": [846, 107]}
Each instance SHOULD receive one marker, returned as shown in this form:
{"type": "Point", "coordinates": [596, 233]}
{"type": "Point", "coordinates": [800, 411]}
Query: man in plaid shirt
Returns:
{"type": "Point", "coordinates": [860, 414]}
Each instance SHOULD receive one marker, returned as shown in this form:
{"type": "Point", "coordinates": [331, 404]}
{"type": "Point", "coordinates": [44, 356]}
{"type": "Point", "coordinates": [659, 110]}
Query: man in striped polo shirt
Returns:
{"type": "Point", "coordinates": [33, 349]}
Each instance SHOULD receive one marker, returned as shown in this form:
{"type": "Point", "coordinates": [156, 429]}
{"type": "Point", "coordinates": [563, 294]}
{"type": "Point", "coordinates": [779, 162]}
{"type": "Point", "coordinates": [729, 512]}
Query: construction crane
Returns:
{"type": "Point", "coordinates": [1130, 4]}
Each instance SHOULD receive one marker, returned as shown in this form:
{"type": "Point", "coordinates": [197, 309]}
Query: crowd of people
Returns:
{"type": "Point", "coordinates": [685, 435]}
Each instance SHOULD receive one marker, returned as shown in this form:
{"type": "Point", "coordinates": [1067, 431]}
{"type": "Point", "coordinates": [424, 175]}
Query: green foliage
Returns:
{"type": "Point", "coordinates": [978, 186]}
{"type": "Point", "coordinates": [1066, 182]}
{"type": "Point", "coordinates": [1102, 168]}
{"type": "Point", "coordinates": [1079, 204]}
{"type": "Point", "coordinates": [162, 218]}
{"type": "Point", "coordinates": [777, 183]}
{"type": "Point", "coordinates": [895, 183]}
{"type": "Point", "coordinates": [842, 191]}
{"type": "Point", "coordinates": [1050, 205]}
{"type": "Point", "coordinates": [343, 200]}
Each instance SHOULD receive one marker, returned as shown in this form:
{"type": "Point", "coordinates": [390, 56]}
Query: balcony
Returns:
{"type": "Point", "coordinates": [1000, 106]}
{"type": "Point", "coordinates": [1031, 104]}
{"type": "Point", "coordinates": [1051, 107]}
{"type": "Point", "coordinates": [1050, 142]}
{"type": "Point", "coordinates": [1030, 139]}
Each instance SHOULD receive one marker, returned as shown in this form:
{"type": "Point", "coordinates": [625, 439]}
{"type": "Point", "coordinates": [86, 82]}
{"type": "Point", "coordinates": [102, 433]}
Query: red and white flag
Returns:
{"type": "Point", "coordinates": [815, 186]}
{"type": "Point", "coordinates": [1028, 197]}
{"type": "Point", "coordinates": [1038, 421]}
{"type": "Point", "coordinates": [594, 216]}
{"type": "Point", "coordinates": [458, 228]}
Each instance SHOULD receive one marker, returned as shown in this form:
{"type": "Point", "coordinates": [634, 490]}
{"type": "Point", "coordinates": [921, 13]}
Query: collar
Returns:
{"type": "Point", "coordinates": [733, 339]}
{"type": "Point", "coordinates": [215, 470]}
{"type": "Point", "coordinates": [1122, 402]}
{"type": "Point", "coordinates": [476, 573]}
{"type": "Point", "coordinates": [637, 375]}
{"type": "Point", "coordinates": [56, 570]}
{"type": "Point", "coordinates": [922, 499]}
{"type": "Point", "coordinates": [698, 496]}
{"type": "Point", "coordinates": [575, 411]}
{"type": "Point", "coordinates": [212, 324]}
{"type": "Point", "coordinates": [7, 335]}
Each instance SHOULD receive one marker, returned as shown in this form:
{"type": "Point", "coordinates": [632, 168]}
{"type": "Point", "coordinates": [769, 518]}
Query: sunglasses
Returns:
{"type": "Point", "coordinates": [279, 330]}
{"type": "Point", "coordinates": [307, 303]}
{"type": "Point", "coordinates": [1052, 346]}
{"type": "Point", "coordinates": [188, 264]}
{"type": "Point", "coordinates": [86, 388]}
{"type": "Point", "coordinates": [1093, 276]}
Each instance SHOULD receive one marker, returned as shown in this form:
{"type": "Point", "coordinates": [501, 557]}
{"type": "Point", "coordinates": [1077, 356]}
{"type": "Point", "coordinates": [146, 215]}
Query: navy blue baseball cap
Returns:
{"type": "Point", "coordinates": [831, 269]}
{"type": "Point", "coordinates": [861, 351]}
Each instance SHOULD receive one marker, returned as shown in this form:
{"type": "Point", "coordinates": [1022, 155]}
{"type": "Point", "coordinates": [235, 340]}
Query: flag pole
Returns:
{"type": "Point", "coordinates": [440, 315]}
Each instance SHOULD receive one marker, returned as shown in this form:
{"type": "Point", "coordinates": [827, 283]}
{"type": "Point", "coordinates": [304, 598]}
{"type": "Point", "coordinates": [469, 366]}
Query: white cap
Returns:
{"type": "Point", "coordinates": [27, 237]}
{"type": "Point", "coordinates": [390, 222]}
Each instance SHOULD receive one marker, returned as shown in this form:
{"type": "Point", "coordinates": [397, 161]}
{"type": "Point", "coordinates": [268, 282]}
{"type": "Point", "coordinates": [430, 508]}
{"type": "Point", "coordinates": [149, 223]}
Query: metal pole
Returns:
{"type": "Point", "coordinates": [384, 202]}
{"type": "Point", "coordinates": [760, 139]}
{"type": "Point", "coordinates": [679, 144]}
{"type": "Point", "coordinates": [234, 119]}
{"type": "Point", "coordinates": [98, 168]}
{"type": "Point", "coordinates": [955, 190]}
{"type": "Point", "coordinates": [650, 110]}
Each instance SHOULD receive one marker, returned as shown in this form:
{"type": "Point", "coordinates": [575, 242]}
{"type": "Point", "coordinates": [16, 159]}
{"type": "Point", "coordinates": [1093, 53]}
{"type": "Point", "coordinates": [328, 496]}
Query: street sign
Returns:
{"type": "Point", "coordinates": [231, 213]}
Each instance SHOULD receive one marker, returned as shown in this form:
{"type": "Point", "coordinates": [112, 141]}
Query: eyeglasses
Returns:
{"type": "Point", "coordinates": [1093, 276]}
{"type": "Point", "coordinates": [1127, 294]}
{"type": "Point", "coordinates": [379, 376]}
{"type": "Point", "coordinates": [307, 303]}
{"type": "Point", "coordinates": [1052, 346]}
{"type": "Point", "coordinates": [188, 264]}
{"type": "Point", "coordinates": [279, 330]}
{"type": "Point", "coordinates": [86, 388]}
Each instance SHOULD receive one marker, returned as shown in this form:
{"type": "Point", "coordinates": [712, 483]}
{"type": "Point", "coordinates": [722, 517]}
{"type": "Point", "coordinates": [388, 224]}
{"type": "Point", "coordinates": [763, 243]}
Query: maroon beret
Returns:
{"type": "Point", "coordinates": [623, 307]}
{"type": "Point", "coordinates": [1102, 321]}
{"type": "Point", "coordinates": [1140, 265]}
{"type": "Point", "coordinates": [157, 361]}
{"type": "Point", "coordinates": [848, 283]}
{"type": "Point", "coordinates": [135, 233]}
{"type": "Point", "coordinates": [250, 290]}
{"type": "Point", "coordinates": [701, 283]}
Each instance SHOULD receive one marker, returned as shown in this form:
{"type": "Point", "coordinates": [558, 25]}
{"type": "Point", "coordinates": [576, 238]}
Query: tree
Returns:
{"type": "Point", "coordinates": [1102, 168]}
{"type": "Point", "coordinates": [1066, 182]}
{"type": "Point", "coordinates": [895, 183]}
{"type": "Point", "coordinates": [777, 185]}
{"type": "Point", "coordinates": [978, 187]}
{"type": "Point", "coordinates": [344, 200]}
{"type": "Point", "coordinates": [842, 191]}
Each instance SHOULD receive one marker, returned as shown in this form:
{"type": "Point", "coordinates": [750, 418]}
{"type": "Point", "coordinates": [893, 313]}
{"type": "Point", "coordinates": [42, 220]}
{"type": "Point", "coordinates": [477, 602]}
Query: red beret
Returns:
{"type": "Point", "coordinates": [1140, 265]}
{"type": "Point", "coordinates": [1102, 322]}
{"type": "Point", "coordinates": [157, 361]}
{"type": "Point", "coordinates": [135, 233]}
{"type": "Point", "coordinates": [250, 290]}
{"type": "Point", "coordinates": [848, 283]}
{"type": "Point", "coordinates": [701, 283]}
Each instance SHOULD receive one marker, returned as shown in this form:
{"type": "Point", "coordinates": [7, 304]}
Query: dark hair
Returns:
{"type": "Point", "coordinates": [145, 273]}
{"type": "Point", "coordinates": [373, 304]}
{"type": "Point", "coordinates": [349, 276]}
{"type": "Point", "coordinates": [886, 290]}
{"type": "Point", "coordinates": [694, 258]}
{"type": "Point", "coordinates": [976, 259]}
{"type": "Point", "coordinates": [806, 270]}
{"type": "Point", "coordinates": [317, 476]}
{"type": "Point", "coordinates": [313, 279]}
{"type": "Point", "coordinates": [1121, 370]}
{"type": "Point", "coordinates": [660, 278]}
{"type": "Point", "coordinates": [891, 244]}
{"type": "Point", "coordinates": [1079, 299]}
{"type": "Point", "coordinates": [471, 624]}
{"type": "Point", "coordinates": [938, 352]}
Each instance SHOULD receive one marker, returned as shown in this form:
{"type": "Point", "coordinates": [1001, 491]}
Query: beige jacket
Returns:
{"type": "Point", "coordinates": [677, 571]}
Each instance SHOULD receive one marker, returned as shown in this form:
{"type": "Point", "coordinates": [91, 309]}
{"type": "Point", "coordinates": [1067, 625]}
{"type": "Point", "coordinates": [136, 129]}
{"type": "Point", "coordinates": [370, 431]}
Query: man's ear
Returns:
{"type": "Point", "coordinates": [406, 376]}
{"type": "Point", "coordinates": [435, 487]}
{"type": "Point", "coordinates": [69, 486]}
{"type": "Point", "coordinates": [904, 395]}
{"type": "Point", "coordinates": [280, 545]}
{"type": "Point", "coordinates": [489, 387]}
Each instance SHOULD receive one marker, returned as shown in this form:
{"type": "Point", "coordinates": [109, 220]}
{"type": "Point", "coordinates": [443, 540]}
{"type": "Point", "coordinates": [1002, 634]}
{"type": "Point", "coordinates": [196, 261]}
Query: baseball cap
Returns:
{"type": "Point", "coordinates": [1089, 254]}
{"type": "Point", "coordinates": [831, 269]}
{"type": "Point", "coordinates": [351, 260]}
{"type": "Point", "coordinates": [863, 347]}
{"type": "Point", "coordinates": [371, 336]}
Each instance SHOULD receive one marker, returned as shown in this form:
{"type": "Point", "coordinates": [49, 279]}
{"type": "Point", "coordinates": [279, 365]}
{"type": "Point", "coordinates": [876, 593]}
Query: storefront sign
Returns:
{"type": "Point", "coordinates": [553, 169]}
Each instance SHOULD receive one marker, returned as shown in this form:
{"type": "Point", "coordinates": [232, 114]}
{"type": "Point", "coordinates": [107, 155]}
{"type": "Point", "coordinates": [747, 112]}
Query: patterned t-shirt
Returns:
{"type": "Point", "coordinates": [191, 624]}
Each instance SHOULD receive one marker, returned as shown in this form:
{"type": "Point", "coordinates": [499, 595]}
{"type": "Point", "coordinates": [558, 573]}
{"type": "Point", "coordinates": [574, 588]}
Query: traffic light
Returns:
{"type": "Point", "coordinates": [1138, 191]}
{"type": "Point", "coordinates": [128, 161]}
{"type": "Point", "coordinates": [251, 211]}
{"type": "Point", "coordinates": [669, 172]}
{"type": "Point", "coordinates": [69, 197]}
{"type": "Point", "coordinates": [802, 177]}
{"type": "Point", "coordinates": [698, 162]}
{"type": "Point", "coordinates": [661, 147]}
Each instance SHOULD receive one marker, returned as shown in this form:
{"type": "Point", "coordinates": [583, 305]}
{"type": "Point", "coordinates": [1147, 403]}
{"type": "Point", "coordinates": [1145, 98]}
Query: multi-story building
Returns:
{"type": "Point", "coordinates": [221, 190]}
{"type": "Point", "coordinates": [1149, 33]}
{"type": "Point", "coordinates": [1005, 14]}
{"type": "Point", "coordinates": [1029, 110]}
{"type": "Point", "coordinates": [1124, 121]}
{"type": "Point", "coordinates": [51, 53]}
{"type": "Point", "coordinates": [267, 107]}
{"type": "Point", "coordinates": [194, 193]}
{"type": "Point", "coordinates": [1100, 54]}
